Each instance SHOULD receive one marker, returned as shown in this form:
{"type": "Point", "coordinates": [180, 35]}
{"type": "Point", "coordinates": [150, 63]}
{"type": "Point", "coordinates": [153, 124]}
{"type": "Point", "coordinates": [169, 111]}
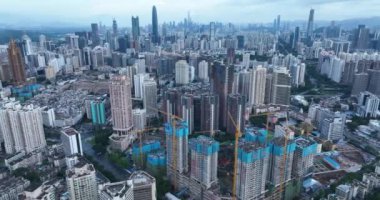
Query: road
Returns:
{"type": "Point", "coordinates": [119, 173]}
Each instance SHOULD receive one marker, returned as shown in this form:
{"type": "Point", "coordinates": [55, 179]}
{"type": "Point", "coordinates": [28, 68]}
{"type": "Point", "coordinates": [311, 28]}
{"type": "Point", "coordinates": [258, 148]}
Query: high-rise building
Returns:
{"type": "Point", "coordinates": [222, 85]}
{"type": "Point", "coordinates": [16, 63]}
{"type": "Point", "coordinates": [240, 41]}
{"type": "Point", "coordinates": [209, 113]}
{"type": "Point", "coordinates": [203, 71]}
{"type": "Point", "coordinates": [72, 41]}
{"type": "Point", "coordinates": [114, 28]}
{"type": "Point", "coordinates": [81, 182]}
{"type": "Point", "coordinates": [121, 104]}
{"type": "Point", "coordinates": [95, 38]}
{"type": "Point", "coordinates": [281, 86]}
{"type": "Point", "coordinates": [280, 169]}
{"type": "Point", "coordinates": [42, 42]}
{"type": "Point", "coordinates": [176, 148]}
{"type": "Point", "coordinates": [332, 127]}
{"type": "Point", "coordinates": [368, 105]}
{"type": "Point", "coordinates": [135, 29]}
{"type": "Point", "coordinates": [204, 160]}
{"type": "Point", "coordinates": [296, 38]}
{"type": "Point", "coordinates": [71, 141]}
{"type": "Point", "coordinates": [304, 153]}
{"type": "Point", "coordinates": [374, 81]}
{"type": "Point", "coordinates": [182, 73]}
{"type": "Point", "coordinates": [310, 24]}
{"type": "Point", "coordinates": [155, 36]}
{"type": "Point", "coordinates": [21, 127]}
{"type": "Point", "coordinates": [268, 88]}
{"type": "Point", "coordinates": [172, 103]}
{"type": "Point", "coordinates": [361, 37]}
{"type": "Point", "coordinates": [187, 103]}
{"type": "Point", "coordinates": [278, 22]}
{"type": "Point", "coordinates": [122, 190]}
{"type": "Point", "coordinates": [360, 83]}
{"type": "Point", "coordinates": [150, 98]}
{"type": "Point", "coordinates": [139, 119]}
{"type": "Point", "coordinates": [235, 108]}
{"type": "Point", "coordinates": [257, 86]}
{"type": "Point", "coordinates": [138, 80]}
{"type": "Point", "coordinates": [97, 57]}
{"type": "Point", "coordinates": [144, 186]}
{"type": "Point", "coordinates": [98, 112]}
{"type": "Point", "coordinates": [297, 73]}
{"type": "Point", "coordinates": [252, 169]}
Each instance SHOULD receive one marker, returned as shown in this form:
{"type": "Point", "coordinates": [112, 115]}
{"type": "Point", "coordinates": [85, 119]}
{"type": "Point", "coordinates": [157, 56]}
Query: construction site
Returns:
{"type": "Point", "coordinates": [256, 164]}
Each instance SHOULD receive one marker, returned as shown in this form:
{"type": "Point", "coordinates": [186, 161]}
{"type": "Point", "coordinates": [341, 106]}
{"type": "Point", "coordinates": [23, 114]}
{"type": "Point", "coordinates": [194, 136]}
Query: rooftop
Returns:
{"type": "Point", "coordinates": [69, 131]}
{"type": "Point", "coordinates": [141, 178]}
{"type": "Point", "coordinates": [302, 142]}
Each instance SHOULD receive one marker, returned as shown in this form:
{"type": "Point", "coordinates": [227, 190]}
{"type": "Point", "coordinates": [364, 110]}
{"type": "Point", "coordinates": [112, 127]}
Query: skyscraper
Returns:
{"type": "Point", "coordinates": [209, 113]}
{"type": "Point", "coordinates": [16, 63]}
{"type": "Point", "coordinates": [81, 182]}
{"type": "Point", "coordinates": [222, 86]}
{"type": "Point", "coordinates": [71, 141]}
{"type": "Point", "coordinates": [121, 104]}
{"type": "Point", "coordinates": [278, 22]}
{"type": "Point", "coordinates": [155, 36]}
{"type": "Point", "coordinates": [257, 86]}
{"type": "Point", "coordinates": [281, 86]}
{"type": "Point", "coordinates": [204, 160]}
{"type": "Point", "coordinates": [374, 81]}
{"type": "Point", "coordinates": [188, 110]}
{"type": "Point", "coordinates": [150, 98]}
{"type": "Point", "coordinates": [135, 28]}
{"type": "Point", "coordinates": [296, 37]}
{"type": "Point", "coordinates": [114, 28]}
{"type": "Point", "coordinates": [361, 37]}
{"type": "Point", "coordinates": [95, 35]}
{"type": "Point", "coordinates": [310, 24]}
{"type": "Point", "coordinates": [235, 107]}
{"type": "Point", "coordinates": [21, 127]}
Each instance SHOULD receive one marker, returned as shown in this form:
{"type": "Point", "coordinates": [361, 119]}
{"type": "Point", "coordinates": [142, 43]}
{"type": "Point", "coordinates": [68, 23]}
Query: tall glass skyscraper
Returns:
{"type": "Point", "coordinates": [155, 37]}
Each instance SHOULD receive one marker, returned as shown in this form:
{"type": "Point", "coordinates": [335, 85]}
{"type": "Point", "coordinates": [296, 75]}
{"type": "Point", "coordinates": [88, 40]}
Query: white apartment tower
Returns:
{"type": "Point", "coordinates": [21, 127]}
{"type": "Point", "coordinates": [257, 86]}
{"type": "Point", "coordinates": [81, 182]}
{"type": "Point", "coordinates": [71, 140]}
{"type": "Point", "coordinates": [138, 81]}
{"type": "Point", "coordinates": [182, 72]}
{"type": "Point", "coordinates": [203, 71]}
{"type": "Point", "coordinates": [121, 104]}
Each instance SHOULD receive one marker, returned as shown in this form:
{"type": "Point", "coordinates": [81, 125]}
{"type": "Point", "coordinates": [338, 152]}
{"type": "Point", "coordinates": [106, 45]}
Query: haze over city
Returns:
{"type": "Point", "coordinates": [189, 100]}
{"type": "Point", "coordinates": [80, 12]}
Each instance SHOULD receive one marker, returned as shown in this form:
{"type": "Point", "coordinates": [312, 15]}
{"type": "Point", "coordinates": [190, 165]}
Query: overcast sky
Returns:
{"type": "Point", "coordinates": [82, 12]}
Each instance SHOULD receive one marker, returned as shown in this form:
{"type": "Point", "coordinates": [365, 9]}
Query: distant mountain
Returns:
{"type": "Point", "coordinates": [372, 22]}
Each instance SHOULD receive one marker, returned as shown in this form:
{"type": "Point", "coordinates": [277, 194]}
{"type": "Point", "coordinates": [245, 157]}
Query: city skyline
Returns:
{"type": "Point", "coordinates": [241, 11]}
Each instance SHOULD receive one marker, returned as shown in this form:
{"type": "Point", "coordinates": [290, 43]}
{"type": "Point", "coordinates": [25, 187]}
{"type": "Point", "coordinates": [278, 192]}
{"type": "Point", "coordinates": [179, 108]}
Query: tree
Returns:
{"type": "Point", "coordinates": [259, 121]}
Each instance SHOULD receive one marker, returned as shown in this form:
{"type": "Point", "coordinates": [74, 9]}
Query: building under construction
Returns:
{"type": "Point", "coordinates": [204, 160]}
{"type": "Point", "coordinates": [306, 148]}
{"type": "Point", "coordinates": [253, 165]}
